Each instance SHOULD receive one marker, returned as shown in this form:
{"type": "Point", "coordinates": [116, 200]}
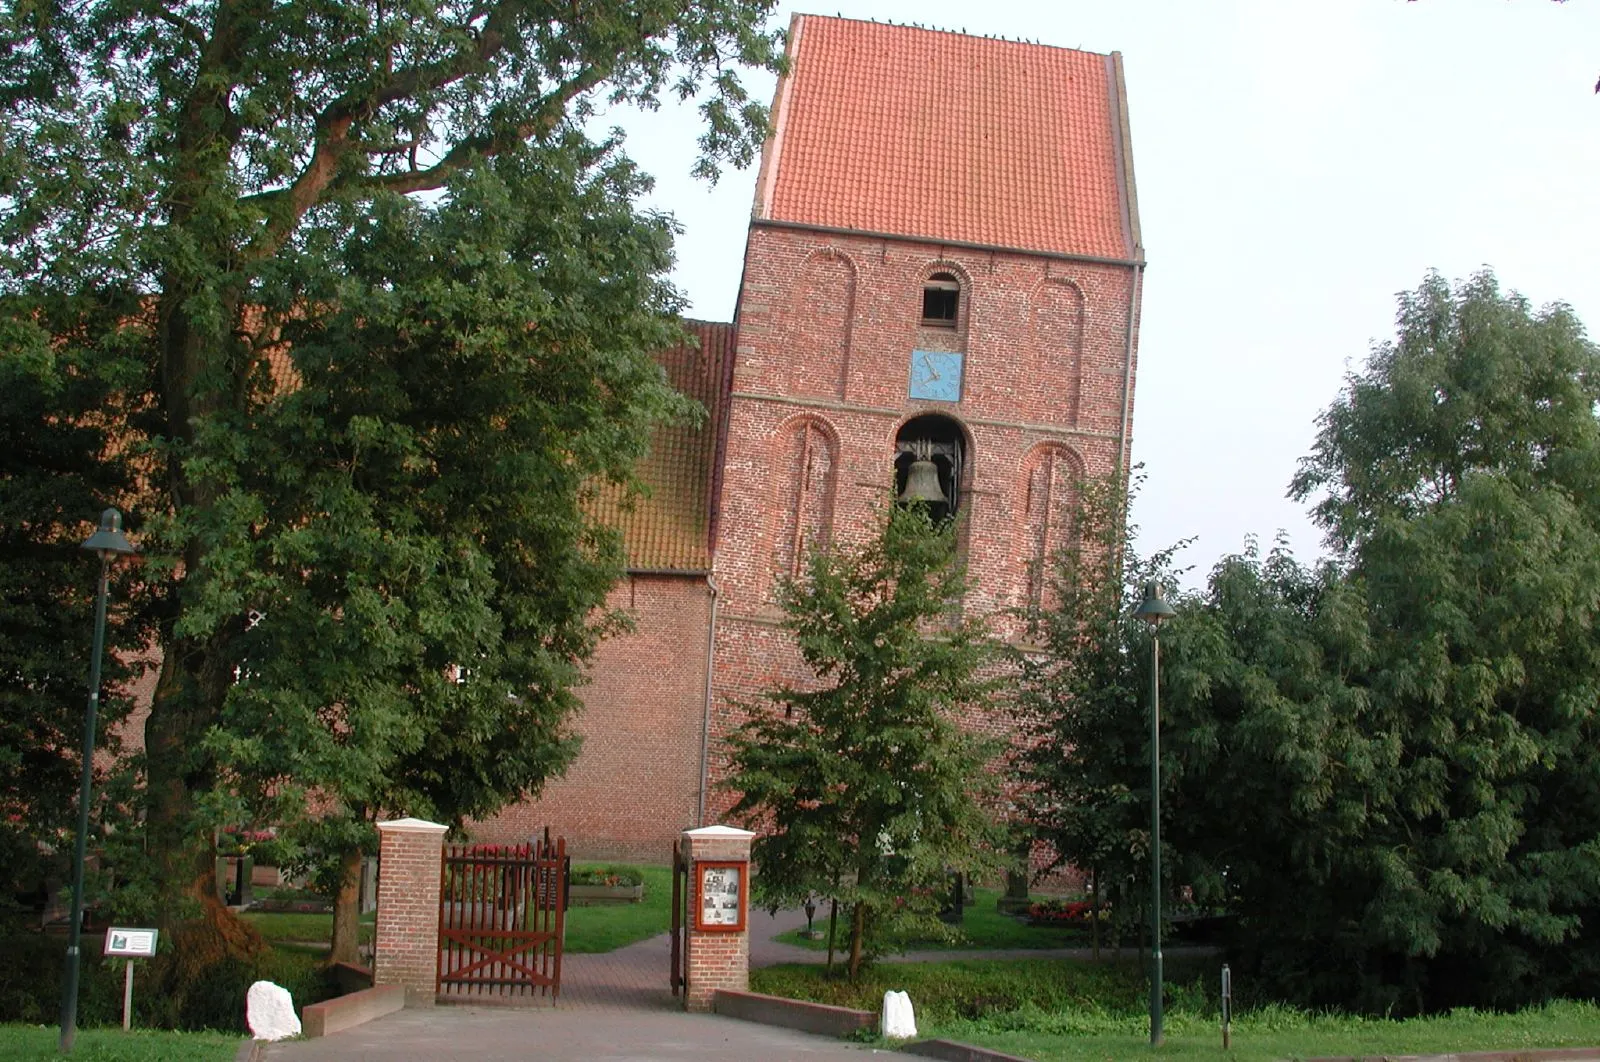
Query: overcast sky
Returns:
{"type": "Point", "coordinates": [1298, 163]}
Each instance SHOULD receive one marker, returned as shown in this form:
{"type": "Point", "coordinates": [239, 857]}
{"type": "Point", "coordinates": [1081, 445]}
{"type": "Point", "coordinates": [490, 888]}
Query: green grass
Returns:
{"type": "Point", "coordinates": [277, 928]}
{"type": "Point", "coordinates": [1056, 1011]}
{"type": "Point", "coordinates": [1274, 1033]}
{"type": "Point", "coordinates": [981, 928]}
{"type": "Point", "coordinates": [22, 1042]}
{"type": "Point", "coordinates": [607, 927]}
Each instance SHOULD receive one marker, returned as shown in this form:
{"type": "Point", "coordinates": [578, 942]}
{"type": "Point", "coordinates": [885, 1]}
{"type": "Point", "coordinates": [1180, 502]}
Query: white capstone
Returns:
{"type": "Point", "coordinates": [269, 1010]}
{"type": "Point", "coordinates": [898, 1021]}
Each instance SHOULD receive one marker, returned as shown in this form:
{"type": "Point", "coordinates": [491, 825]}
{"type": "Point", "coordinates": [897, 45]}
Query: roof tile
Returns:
{"type": "Point", "coordinates": [885, 128]}
{"type": "Point", "coordinates": [669, 528]}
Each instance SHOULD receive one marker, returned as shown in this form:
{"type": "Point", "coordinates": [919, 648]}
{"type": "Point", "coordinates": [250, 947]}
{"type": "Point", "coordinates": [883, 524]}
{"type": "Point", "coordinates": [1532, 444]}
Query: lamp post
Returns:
{"type": "Point", "coordinates": [1154, 610]}
{"type": "Point", "coordinates": [110, 543]}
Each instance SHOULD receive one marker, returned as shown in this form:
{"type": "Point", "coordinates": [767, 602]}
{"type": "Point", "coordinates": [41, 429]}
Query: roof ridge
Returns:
{"type": "Point", "coordinates": [950, 32]}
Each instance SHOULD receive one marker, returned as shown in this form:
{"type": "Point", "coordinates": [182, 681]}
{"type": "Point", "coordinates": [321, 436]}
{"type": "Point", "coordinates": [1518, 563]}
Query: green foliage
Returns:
{"type": "Point", "coordinates": [1386, 768]}
{"type": "Point", "coordinates": [981, 927]}
{"type": "Point", "coordinates": [867, 789]}
{"type": "Point", "coordinates": [1083, 685]}
{"type": "Point", "coordinates": [184, 189]}
{"type": "Point", "coordinates": [30, 985]}
{"type": "Point", "coordinates": [1271, 1033]}
{"type": "Point", "coordinates": [55, 476]}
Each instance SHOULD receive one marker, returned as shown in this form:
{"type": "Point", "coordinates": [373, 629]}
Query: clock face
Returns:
{"type": "Point", "coordinates": [936, 375]}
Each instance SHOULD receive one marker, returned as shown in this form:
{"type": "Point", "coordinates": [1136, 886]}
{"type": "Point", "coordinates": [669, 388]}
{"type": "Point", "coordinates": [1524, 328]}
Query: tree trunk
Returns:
{"type": "Point", "coordinates": [1094, 912]}
{"type": "Point", "coordinates": [833, 923]}
{"type": "Point", "coordinates": [858, 929]}
{"type": "Point", "coordinates": [347, 910]}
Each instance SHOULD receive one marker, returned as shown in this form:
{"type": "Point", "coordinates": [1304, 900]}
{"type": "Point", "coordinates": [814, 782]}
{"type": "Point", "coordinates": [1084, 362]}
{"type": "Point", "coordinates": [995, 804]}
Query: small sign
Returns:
{"type": "Point", "coordinates": [722, 896]}
{"type": "Point", "coordinates": [133, 943]}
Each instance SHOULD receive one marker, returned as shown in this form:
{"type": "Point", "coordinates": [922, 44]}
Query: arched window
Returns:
{"type": "Point", "coordinates": [930, 452]}
{"type": "Point", "coordinates": [941, 300]}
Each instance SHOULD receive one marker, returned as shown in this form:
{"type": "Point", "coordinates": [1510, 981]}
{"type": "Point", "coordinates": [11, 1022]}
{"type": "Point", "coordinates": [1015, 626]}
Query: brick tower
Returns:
{"type": "Point", "coordinates": [944, 255]}
{"type": "Point", "coordinates": [943, 261]}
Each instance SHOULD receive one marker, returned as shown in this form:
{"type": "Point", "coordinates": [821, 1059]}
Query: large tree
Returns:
{"type": "Point", "coordinates": [867, 789]}
{"type": "Point", "coordinates": [174, 174]}
{"type": "Point", "coordinates": [1458, 476]}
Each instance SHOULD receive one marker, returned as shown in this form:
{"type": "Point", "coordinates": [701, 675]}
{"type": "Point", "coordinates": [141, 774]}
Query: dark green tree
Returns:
{"type": "Point", "coordinates": [1083, 685]}
{"type": "Point", "coordinates": [867, 789]}
{"type": "Point", "coordinates": [58, 469]}
{"type": "Point", "coordinates": [174, 176]}
{"type": "Point", "coordinates": [1458, 476]}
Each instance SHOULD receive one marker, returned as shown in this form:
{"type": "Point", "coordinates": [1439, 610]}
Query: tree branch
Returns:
{"type": "Point", "coordinates": [334, 123]}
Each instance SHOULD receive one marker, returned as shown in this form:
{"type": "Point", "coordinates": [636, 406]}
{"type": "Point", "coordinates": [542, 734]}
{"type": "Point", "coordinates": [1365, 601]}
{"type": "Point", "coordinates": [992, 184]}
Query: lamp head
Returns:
{"type": "Point", "coordinates": [1153, 609]}
{"type": "Point", "coordinates": [109, 541]}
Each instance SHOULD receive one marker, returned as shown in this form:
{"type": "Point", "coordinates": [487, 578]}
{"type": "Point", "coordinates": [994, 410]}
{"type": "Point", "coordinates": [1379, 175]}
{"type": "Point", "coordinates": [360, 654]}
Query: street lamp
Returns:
{"type": "Point", "coordinates": [110, 543]}
{"type": "Point", "coordinates": [1153, 610]}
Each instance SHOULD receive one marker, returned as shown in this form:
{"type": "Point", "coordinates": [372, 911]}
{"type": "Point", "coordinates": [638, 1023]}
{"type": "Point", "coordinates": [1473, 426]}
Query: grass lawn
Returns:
{"type": "Point", "coordinates": [303, 928]}
{"type": "Point", "coordinates": [982, 927]}
{"type": "Point", "coordinates": [21, 1042]}
{"type": "Point", "coordinates": [1058, 1011]}
{"type": "Point", "coordinates": [606, 927]}
{"type": "Point", "coordinates": [1274, 1033]}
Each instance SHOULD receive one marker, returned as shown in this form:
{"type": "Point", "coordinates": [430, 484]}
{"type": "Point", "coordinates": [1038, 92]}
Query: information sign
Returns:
{"type": "Point", "coordinates": [131, 943]}
{"type": "Point", "coordinates": [722, 896]}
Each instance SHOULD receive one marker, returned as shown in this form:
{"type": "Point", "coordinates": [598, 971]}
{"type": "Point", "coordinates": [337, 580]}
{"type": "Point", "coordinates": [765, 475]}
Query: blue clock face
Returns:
{"type": "Point", "coordinates": [936, 375]}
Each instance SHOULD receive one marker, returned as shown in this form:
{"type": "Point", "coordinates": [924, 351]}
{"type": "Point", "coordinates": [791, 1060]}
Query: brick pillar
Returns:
{"type": "Point", "coordinates": [718, 955]}
{"type": "Point", "coordinates": [410, 855]}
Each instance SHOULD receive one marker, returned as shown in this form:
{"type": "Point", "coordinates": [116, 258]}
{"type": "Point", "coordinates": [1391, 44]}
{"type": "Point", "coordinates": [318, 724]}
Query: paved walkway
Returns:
{"type": "Point", "coordinates": [615, 1007]}
{"type": "Point", "coordinates": [488, 1034]}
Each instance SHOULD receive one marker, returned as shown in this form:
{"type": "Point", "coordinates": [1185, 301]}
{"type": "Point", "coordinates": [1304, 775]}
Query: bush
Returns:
{"type": "Point", "coordinates": [31, 985]}
{"type": "Point", "coordinates": [607, 875]}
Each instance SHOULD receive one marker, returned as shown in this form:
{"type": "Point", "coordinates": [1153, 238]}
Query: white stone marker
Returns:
{"type": "Point", "coordinates": [898, 1022]}
{"type": "Point", "coordinates": [269, 1010]}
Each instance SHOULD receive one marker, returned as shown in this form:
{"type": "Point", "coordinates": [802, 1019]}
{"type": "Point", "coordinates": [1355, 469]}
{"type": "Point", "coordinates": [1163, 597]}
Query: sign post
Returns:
{"type": "Point", "coordinates": [130, 944]}
{"type": "Point", "coordinates": [717, 943]}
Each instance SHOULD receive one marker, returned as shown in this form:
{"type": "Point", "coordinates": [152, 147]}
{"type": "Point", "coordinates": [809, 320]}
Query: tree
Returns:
{"type": "Point", "coordinates": [57, 470]}
{"type": "Point", "coordinates": [1457, 476]}
{"type": "Point", "coordinates": [868, 790]}
{"type": "Point", "coordinates": [172, 176]}
{"type": "Point", "coordinates": [1082, 697]}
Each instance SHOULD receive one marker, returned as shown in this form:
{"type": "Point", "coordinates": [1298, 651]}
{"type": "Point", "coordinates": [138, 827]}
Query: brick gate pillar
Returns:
{"type": "Point", "coordinates": [406, 952]}
{"type": "Point", "coordinates": [717, 937]}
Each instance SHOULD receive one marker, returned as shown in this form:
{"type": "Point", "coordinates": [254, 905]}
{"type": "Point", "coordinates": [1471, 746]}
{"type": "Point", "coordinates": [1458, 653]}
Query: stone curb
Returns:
{"type": "Point", "coordinates": [818, 1018]}
{"type": "Point", "coordinates": [348, 1011]}
{"type": "Point", "coordinates": [951, 1051]}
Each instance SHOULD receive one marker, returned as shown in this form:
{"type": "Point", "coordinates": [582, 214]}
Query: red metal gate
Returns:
{"type": "Point", "coordinates": [502, 909]}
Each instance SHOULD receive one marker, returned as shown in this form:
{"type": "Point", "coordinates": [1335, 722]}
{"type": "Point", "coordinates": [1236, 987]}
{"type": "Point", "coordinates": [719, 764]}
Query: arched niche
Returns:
{"type": "Point", "coordinates": [804, 468]}
{"type": "Point", "coordinates": [940, 441]}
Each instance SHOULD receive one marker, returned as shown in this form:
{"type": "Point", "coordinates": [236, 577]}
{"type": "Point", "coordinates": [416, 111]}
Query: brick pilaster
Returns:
{"type": "Point", "coordinates": [410, 854]}
{"type": "Point", "coordinates": [721, 958]}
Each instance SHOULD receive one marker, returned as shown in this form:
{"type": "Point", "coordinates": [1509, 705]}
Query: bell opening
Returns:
{"type": "Point", "coordinates": [928, 464]}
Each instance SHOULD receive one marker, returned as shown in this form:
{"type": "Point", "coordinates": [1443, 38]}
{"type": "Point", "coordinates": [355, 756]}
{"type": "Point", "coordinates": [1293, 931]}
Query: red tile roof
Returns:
{"type": "Point", "coordinates": [669, 529]}
{"type": "Point", "coordinates": [884, 128]}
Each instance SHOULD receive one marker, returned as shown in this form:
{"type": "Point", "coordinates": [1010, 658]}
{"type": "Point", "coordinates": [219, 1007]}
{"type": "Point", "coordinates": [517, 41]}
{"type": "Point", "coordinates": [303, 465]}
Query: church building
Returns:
{"type": "Point", "coordinates": [943, 266]}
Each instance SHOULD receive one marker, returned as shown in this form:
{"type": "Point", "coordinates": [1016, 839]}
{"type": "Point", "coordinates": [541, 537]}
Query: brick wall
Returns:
{"type": "Point", "coordinates": [1045, 343]}
{"type": "Point", "coordinates": [636, 782]}
{"type": "Point", "coordinates": [406, 949]}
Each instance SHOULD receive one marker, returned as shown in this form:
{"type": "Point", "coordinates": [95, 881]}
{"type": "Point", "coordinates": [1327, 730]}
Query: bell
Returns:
{"type": "Point", "coordinates": [922, 484]}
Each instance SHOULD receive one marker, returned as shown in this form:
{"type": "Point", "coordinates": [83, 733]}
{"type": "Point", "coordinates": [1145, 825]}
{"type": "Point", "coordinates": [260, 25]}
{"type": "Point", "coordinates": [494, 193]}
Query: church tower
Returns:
{"type": "Point", "coordinates": [943, 262]}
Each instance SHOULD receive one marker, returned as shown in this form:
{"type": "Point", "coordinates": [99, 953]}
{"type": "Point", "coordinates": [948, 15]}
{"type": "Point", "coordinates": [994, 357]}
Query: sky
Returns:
{"type": "Point", "coordinates": [1298, 163]}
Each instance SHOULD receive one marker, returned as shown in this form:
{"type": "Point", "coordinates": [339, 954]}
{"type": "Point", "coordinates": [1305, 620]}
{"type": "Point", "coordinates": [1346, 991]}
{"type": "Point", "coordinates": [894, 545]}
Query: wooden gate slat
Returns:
{"type": "Point", "coordinates": [502, 912]}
